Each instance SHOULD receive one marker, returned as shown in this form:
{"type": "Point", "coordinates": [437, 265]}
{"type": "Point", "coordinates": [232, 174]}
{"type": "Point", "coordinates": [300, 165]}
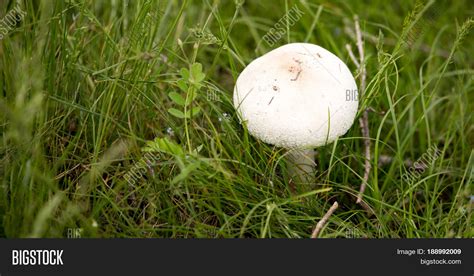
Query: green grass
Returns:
{"type": "Point", "coordinates": [85, 87]}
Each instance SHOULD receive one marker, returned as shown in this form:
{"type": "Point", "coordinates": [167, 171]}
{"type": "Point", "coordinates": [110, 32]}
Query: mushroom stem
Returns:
{"type": "Point", "coordinates": [301, 167]}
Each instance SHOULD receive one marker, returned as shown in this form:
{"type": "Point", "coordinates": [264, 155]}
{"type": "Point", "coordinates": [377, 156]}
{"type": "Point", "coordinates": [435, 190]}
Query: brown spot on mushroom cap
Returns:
{"type": "Point", "coordinates": [296, 69]}
{"type": "Point", "coordinates": [297, 75]}
{"type": "Point", "coordinates": [297, 61]}
{"type": "Point", "coordinates": [271, 100]}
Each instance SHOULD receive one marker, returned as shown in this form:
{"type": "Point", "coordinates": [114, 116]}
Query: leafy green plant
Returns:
{"type": "Point", "coordinates": [190, 83]}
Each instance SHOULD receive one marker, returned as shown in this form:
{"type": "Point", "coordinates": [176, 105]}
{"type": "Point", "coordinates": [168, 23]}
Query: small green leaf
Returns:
{"type": "Point", "coordinates": [196, 110]}
{"type": "Point", "coordinates": [184, 73]}
{"type": "Point", "coordinates": [197, 85]}
{"type": "Point", "coordinates": [193, 112]}
{"type": "Point", "coordinates": [200, 77]}
{"type": "Point", "coordinates": [198, 149]}
{"type": "Point", "coordinates": [164, 145]}
{"type": "Point", "coordinates": [170, 147]}
{"type": "Point", "coordinates": [177, 98]}
{"type": "Point", "coordinates": [197, 75]}
{"type": "Point", "coordinates": [196, 68]}
{"type": "Point", "coordinates": [182, 85]}
{"type": "Point", "coordinates": [176, 113]}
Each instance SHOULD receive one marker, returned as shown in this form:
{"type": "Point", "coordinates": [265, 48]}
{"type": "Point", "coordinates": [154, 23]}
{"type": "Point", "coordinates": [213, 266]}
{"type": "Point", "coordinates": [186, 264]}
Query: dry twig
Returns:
{"type": "Point", "coordinates": [323, 221]}
{"type": "Point", "coordinates": [364, 120]}
{"type": "Point", "coordinates": [351, 55]}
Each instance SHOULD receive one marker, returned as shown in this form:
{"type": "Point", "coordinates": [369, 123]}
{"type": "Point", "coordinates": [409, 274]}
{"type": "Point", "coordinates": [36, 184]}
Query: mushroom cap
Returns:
{"type": "Point", "coordinates": [299, 95]}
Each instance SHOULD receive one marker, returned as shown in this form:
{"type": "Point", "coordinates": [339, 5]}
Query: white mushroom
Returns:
{"type": "Point", "coordinates": [298, 96]}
